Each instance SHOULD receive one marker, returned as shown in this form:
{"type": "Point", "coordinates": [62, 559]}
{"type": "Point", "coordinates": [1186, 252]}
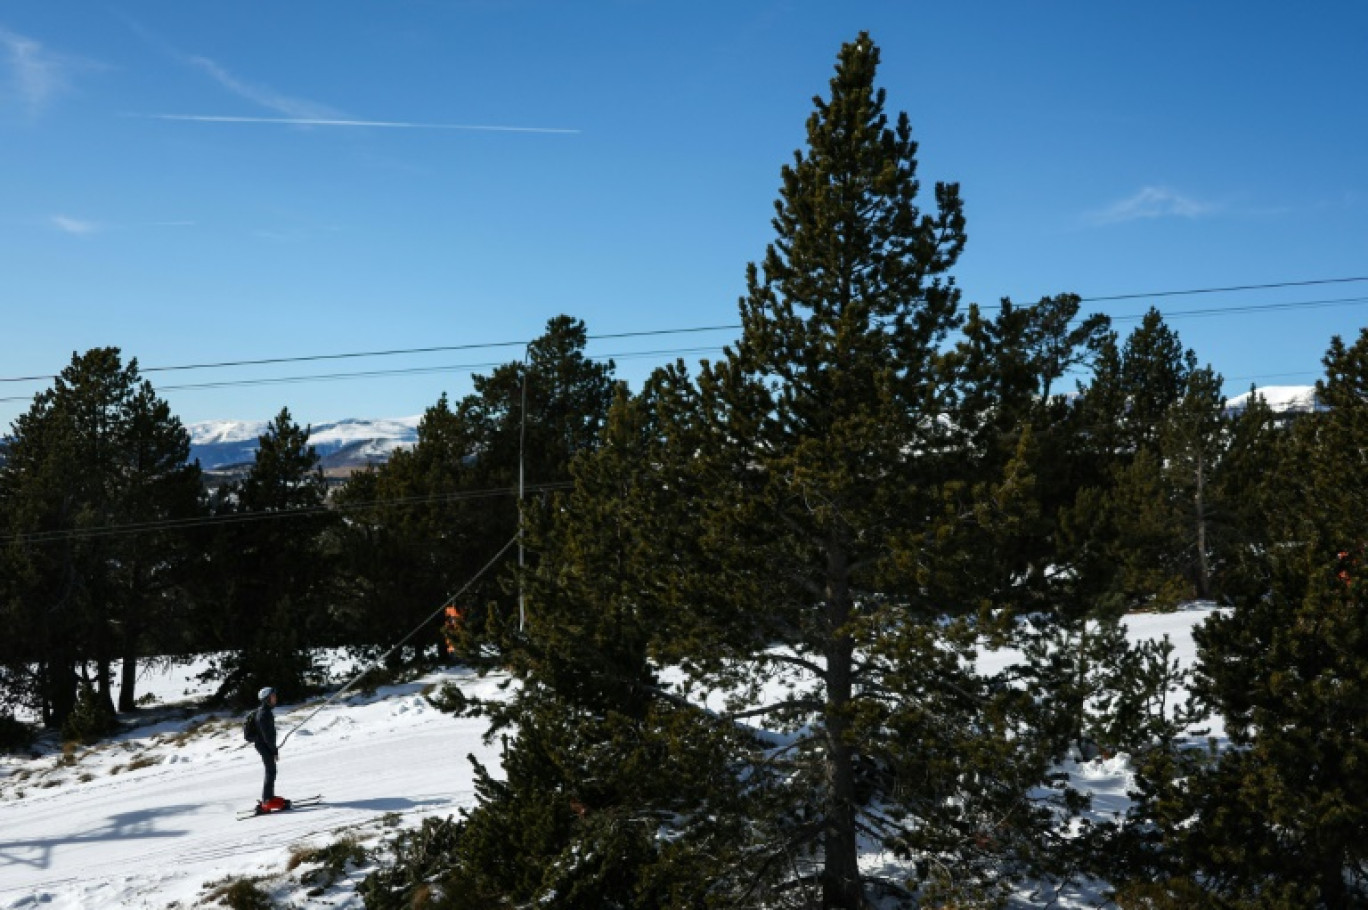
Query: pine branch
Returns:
{"type": "Point", "coordinates": [799, 704]}
{"type": "Point", "coordinates": [793, 660]}
{"type": "Point", "coordinates": [803, 836]}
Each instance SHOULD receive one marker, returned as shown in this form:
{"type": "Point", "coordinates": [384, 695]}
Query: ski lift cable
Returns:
{"type": "Point", "coordinates": [416, 629]}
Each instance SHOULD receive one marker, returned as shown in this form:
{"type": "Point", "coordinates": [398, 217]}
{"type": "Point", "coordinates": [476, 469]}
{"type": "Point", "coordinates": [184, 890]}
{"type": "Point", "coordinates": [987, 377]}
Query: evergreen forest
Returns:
{"type": "Point", "coordinates": [742, 604]}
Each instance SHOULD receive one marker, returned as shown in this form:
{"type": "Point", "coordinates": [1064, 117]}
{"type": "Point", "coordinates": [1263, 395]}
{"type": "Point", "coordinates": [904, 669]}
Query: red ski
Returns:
{"type": "Point", "coordinates": [280, 804]}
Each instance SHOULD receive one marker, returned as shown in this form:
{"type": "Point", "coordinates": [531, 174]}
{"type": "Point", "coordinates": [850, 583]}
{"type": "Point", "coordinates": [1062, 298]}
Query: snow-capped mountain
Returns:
{"type": "Point", "coordinates": [346, 443]}
{"type": "Point", "coordinates": [1282, 399]}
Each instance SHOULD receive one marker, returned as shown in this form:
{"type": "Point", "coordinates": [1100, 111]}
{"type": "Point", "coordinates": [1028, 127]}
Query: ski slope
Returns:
{"type": "Point", "coordinates": [147, 820]}
{"type": "Point", "coordinates": [104, 833]}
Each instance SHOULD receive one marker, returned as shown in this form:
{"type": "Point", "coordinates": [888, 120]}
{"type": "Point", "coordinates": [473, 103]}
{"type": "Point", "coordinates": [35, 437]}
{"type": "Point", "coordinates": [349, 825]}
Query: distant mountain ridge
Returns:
{"type": "Point", "coordinates": [343, 445]}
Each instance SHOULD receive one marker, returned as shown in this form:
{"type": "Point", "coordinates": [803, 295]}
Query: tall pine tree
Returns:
{"type": "Point", "coordinates": [844, 519]}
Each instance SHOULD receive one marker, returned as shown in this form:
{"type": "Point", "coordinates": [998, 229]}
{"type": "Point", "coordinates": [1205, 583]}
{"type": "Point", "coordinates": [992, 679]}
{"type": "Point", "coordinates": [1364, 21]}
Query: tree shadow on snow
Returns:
{"type": "Point", "coordinates": [141, 824]}
{"type": "Point", "coordinates": [390, 804]}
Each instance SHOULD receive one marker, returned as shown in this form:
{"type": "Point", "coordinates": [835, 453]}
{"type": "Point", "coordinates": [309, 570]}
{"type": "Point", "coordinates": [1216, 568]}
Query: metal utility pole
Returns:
{"type": "Point", "coordinates": [522, 439]}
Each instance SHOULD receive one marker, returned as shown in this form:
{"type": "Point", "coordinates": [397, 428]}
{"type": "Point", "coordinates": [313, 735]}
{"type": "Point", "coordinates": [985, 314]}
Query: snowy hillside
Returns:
{"type": "Point", "coordinates": [350, 442]}
{"type": "Point", "coordinates": [148, 819]}
{"type": "Point", "coordinates": [1283, 399]}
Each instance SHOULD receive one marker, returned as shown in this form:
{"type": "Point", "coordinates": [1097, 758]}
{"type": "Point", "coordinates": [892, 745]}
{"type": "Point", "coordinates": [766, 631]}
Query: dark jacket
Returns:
{"type": "Point", "coordinates": [266, 741]}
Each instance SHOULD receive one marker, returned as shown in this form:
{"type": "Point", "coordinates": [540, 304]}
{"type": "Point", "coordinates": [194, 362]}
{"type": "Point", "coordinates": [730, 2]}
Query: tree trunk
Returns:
{"type": "Point", "coordinates": [840, 871]}
{"type": "Point", "coordinates": [104, 675]}
{"type": "Point", "coordinates": [131, 627]}
{"type": "Point", "coordinates": [61, 690]}
{"type": "Point", "coordinates": [1203, 564]}
{"type": "Point", "coordinates": [128, 672]}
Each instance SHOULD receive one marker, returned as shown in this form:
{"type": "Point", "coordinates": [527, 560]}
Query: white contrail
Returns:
{"type": "Point", "coordinates": [385, 124]}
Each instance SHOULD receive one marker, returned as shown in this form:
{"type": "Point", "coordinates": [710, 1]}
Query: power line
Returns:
{"type": "Point", "coordinates": [1223, 290]}
{"type": "Point", "coordinates": [403, 371]}
{"type": "Point", "coordinates": [444, 349]}
{"type": "Point", "coordinates": [307, 358]}
{"type": "Point", "coordinates": [441, 349]}
{"type": "Point", "coordinates": [455, 368]}
{"type": "Point", "coordinates": [371, 374]}
{"type": "Point", "coordinates": [1250, 308]}
{"type": "Point", "coordinates": [1273, 375]}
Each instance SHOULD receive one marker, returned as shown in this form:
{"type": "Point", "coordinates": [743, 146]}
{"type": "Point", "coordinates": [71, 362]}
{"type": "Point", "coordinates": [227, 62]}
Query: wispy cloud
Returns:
{"type": "Point", "coordinates": [262, 95]}
{"type": "Point", "coordinates": [82, 227]}
{"type": "Point", "coordinates": [1153, 202]}
{"type": "Point", "coordinates": [34, 73]}
{"type": "Point", "coordinates": [383, 124]}
{"type": "Point", "coordinates": [294, 111]}
{"type": "Point", "coordinates": [69, 225]}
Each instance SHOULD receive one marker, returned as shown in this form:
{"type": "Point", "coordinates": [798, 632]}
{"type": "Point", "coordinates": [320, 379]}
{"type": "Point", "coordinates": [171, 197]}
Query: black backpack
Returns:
{"type": "Point", "coordinates": [250, 731]}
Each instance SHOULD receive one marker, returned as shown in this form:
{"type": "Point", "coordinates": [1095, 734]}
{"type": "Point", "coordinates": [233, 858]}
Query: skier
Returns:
{"type": "Point", "coordinates": [266, 747]}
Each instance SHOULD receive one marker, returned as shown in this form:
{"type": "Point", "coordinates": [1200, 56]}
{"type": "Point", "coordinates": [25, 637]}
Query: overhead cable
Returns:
{"type": "Point", "coordinates": [305, 358]}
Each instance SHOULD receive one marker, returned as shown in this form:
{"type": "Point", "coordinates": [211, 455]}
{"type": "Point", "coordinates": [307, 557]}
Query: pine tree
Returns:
{"type": "Point", "coordinates": [616, 793]}
{"type": "Point", "coordinates": [1010, 367]}
{"type": "Point", "coordinates": [1248, 483]}
{"type": "Point", "coordinates": [272, 567]}
{"type": "Point", "coordinates": [1131, 390]}
{"type": "Point", "coordinates": [566, 396]}
{"type": "Point", "coordinates": [163, 488]}
{"type": "Point", "coordinates": [1149, 536]}
{"type": "Point", "coordinates": [800, 513]}
{"type": "Point", "coordinates": [442, 510]}
{"type": "Point", "coordinates": [1164, 519]}
{"type": "Point", "coordinates": [47, 605]}
{"type": "Point", "coordinates": [1278, 820]}
{"type": "Point", "coordinates": [416, 528]}
{"type": "Point", "coordinates": [1154, 375]}
{"type": "Point", "coordinates": [1194, 441]}
{"type": "Point", "coordinates": [1017, 359]}
{"type": "Point", "coordinates": [839, 516]}
{"type": "Point", "coordinates": [99, 450]}
{"type": "Point", "coordinates": [838, 356]}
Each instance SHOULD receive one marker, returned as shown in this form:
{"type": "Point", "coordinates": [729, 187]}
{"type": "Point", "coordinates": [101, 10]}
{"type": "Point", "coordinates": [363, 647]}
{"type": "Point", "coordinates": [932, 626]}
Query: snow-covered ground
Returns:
{"type": "Point", "coordinates": [148, 819]}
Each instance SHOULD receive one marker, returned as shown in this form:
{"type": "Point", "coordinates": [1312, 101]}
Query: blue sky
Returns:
{"type": "Point", "coordinates": [204, 183]}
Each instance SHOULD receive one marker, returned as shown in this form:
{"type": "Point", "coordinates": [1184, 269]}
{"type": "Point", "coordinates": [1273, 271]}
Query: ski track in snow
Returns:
{"type": "Point", "coordinates": [155, 836]}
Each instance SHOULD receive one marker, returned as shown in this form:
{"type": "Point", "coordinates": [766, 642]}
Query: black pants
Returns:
{"type": "Point", "coordinates": [268, 759]}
